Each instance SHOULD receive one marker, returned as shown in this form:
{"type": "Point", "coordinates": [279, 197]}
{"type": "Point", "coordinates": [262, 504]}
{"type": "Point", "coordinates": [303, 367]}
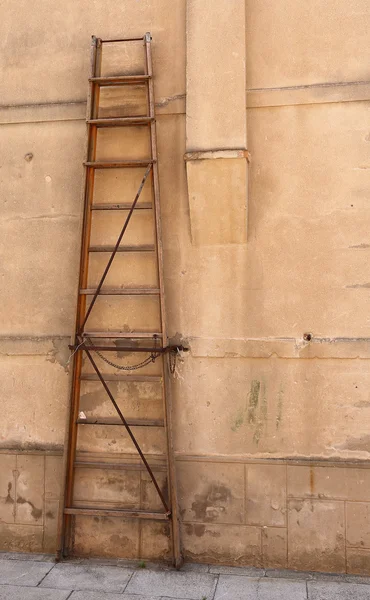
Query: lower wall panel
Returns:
{"type": "Point", "coordinates": [271, 514]}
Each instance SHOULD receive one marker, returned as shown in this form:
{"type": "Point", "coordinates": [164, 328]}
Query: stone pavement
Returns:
{"type": "Point", "coordinates": [37, 577]}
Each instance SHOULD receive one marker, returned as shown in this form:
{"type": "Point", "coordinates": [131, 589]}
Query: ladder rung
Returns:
{"type": "Point", "coordinates": [120, 79]}
{"type": "Point", "coordinates": [144, 248]}
{"type": "Point", "coordinates": [117, 466]}
{"type": "Point", "coordinates": [119, 377]}
{"type": "Point", "coordinates": [121, 334]}
{"type": "Point", "coordinates": [120, 121]}
{"type": "Point", "coordinates": [106, 512]}
{"type": "Point", "coordinates": [136, 39]}
{"type": "Point", "coordinates": [118, 164]}
{"type": "Point", "coordinates": [116, 421]}
{"type": "Point", "coordinates": [122, 206]}
{"type": "Point", "coordinates": [122, 292]}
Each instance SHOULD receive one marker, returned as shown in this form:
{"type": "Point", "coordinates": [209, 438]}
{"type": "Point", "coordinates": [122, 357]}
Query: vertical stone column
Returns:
{"type": "Point", "coordinates": [216, 121]}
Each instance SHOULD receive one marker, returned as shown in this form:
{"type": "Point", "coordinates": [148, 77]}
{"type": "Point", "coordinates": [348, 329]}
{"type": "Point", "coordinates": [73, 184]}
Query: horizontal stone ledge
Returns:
{"type": "Point", "coordinates": [336, 347]}
{"type": "Point", "coordinates": [33, 345]}
{"type": "Point", "coordinates": [216, 154]}
{"type": "Point", "coordinates": [310, 94]}
{"type": "Point", "coordinates": [73, 111]}
{"type": "Point", "coordinates": [302, 461]}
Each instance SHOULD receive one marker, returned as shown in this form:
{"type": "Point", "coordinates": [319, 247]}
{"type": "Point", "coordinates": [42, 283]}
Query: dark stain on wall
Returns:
{"type": "Point", "coordinates": [212, 504]}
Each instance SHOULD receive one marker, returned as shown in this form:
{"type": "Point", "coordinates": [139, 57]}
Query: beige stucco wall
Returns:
{"type": "Point", "coordinates": [271, 430]}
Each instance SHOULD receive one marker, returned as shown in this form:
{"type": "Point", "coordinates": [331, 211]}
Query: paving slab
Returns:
{"type": "Point", "coordinates": [15, 592]}
{"type": "Point", "coordinates": [88, 577]}
{"type": "Point", "coordinates": [194, 586]}
{"type": "Point", "coordinates": [325, 590]}
{"type": "Point", "coordinates": [281, 589]}
{"type": "Point", "coordinates": [23, 572]}
{"type": "Point", "coordinates": [239, 587]}
{"type": "Point", "coordinates": [86, 595]}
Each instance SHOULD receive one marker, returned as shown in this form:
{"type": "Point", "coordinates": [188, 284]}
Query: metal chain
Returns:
{"type": "Point", "coordinates": [144, 363]}
{"type": "Point", "coordinates": [172, 361]}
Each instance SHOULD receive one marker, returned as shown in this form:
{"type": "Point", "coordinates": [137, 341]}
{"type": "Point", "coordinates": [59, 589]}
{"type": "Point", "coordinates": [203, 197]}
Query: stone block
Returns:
{"type": "Point", "coordinates": [286, 30]}
{"type": "Point", "coordinates": [107, 486]}
{"type": "Point", "coordinates": [85, 577]}
{"type": "Point", "coordinates": [155, 540]}
{"type": "Point", "coordinates": [316, 535]}
{"type": "Point", "coordinates": [263, 418]}
{"type": "Point", "coordinates": [358, 561]}
{"type": "Point", "coordinates": [106, 226]}
{"type": "Point", "coordinates": [211, 492]}
{"type": "Point", "coordinates": [53, 477]}
{"type": "Point", "coordinates": [106, 537]}
{"type": "Point", "coordinates": [319, 482]}
{"type": "Point", "coordinates": [217, 190]}
{"type": "Point", "coordinates": [358, 481]}
{"type": "Point", "coordinates": [358, 524]}
{"type": "Point", "coordinates": [266, 495]}
{"type": "Point", "coordinates": [50, 525]}
{"type": "Point", "coordinates": [30, 489]}
{"type": "Point", "coordinates": [115, 439]}
{"type": "Point", "coordinates": [66, 79]}
{"type": "Point", "coordinates": [137, 270]}
{"type": "Point", "coordinates": [47, 222]}
{"type": "Point", "coordinates": [149, 497]}
{"type": "Point", "coordinates": [222, 544]}
{"type": "Point", "coordinates": [274, 547]}
{"type": "Point", "coordinates": [23, 572]}
{"type": "Point", "coordinates": [125, 313]}
{"type": "Point", "coordinates": [21, 538]}
{"type": "Point", "coordinates": [215, 74]}
{"type": "Point", "coordinates": [337, 483]}
{"type": "Point", "coordinates": [7, 487]}
{"type": "Point", "coordinates": [173, 584]}
{"type": "Point", "coordinates": [34, 396]}
{"type": "Point", "coordinates": [299, 210]}
{"type": "Point", "coordinates": [14, 592]}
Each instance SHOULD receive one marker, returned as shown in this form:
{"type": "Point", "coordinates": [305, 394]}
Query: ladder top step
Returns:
{"type": "Point", "coordinates": [122, 206]}
{"type": "Point", "coordinates": [123, 378]}
{"type": "Point", "coordinates": [117, 421]}
{"type": "Point", "coordinates": [117, 466]}
{"type": "Point", "coordinates": [118, 164]}
{"type": "Point", "coordinates": [121, 334]}
{"type": "Point", "coordinates": [106, 512]}
{"type": "Point", "coordinates": [143, 248]}
{"type": "Point", "coordinates": [120, 121]}
{"type": "Point", "coordinates": [121, 292]}
{"type": "Point", "coordinates": [120, 79]}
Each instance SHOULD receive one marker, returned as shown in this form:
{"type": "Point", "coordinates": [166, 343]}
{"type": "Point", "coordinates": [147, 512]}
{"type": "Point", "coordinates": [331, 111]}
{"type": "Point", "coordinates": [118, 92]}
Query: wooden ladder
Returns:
{"type": "Point", "coordinates": [120, 355]}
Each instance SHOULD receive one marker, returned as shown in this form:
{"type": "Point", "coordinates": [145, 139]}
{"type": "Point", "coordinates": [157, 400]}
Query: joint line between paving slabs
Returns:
{"type": "Point", "coordinates": [307, 589]}
{"type": "Point", "coordinates": [214, 592]}
{"type": "Point", "coordinates": [49, 571]}
{"type": "Point", "coordinates": [128, 581]}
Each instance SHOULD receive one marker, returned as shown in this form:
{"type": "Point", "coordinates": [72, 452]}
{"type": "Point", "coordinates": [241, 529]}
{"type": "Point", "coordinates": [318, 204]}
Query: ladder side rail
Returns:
{"type": "Point", "coordinates": [71, 438]}
{"type": "Point", "coordinates": [166, 391]}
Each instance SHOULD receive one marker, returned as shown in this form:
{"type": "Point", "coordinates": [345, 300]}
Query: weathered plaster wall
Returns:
{"type": "Point", "coordinates": [271, 430]}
